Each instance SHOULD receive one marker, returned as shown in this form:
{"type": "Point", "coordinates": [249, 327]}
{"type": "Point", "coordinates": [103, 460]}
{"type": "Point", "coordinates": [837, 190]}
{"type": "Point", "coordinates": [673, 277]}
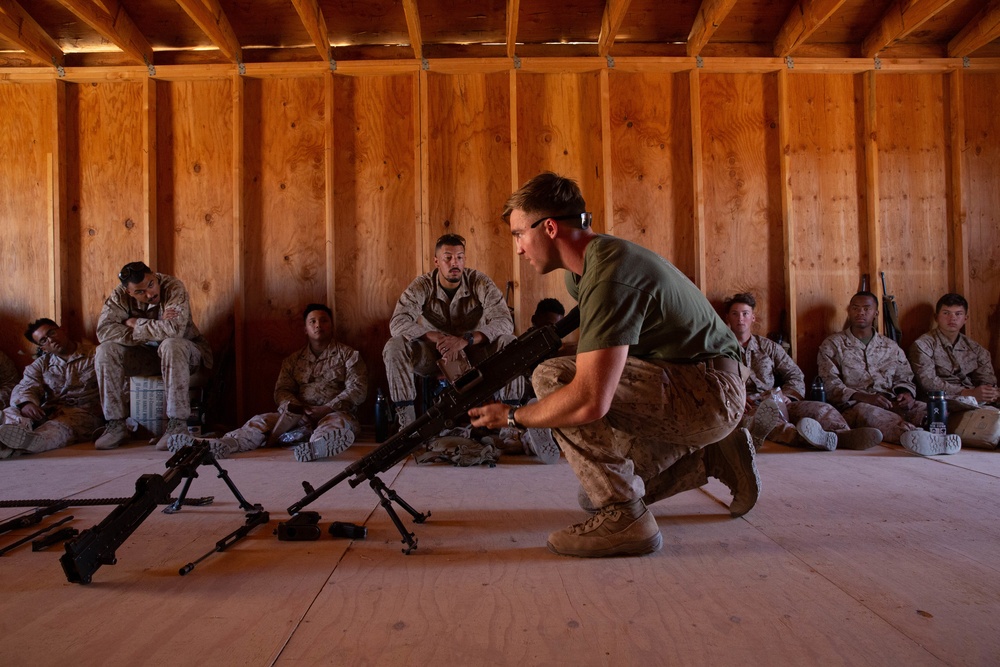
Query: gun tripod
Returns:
{"type": "Point", "coordinates": [96, 546]}
{"type": "Point", "coordinates": [386, 498]}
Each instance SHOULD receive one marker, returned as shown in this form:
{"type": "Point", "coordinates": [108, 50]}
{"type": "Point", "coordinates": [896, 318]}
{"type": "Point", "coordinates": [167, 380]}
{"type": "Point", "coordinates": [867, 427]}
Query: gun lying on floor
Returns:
{"type": "Point", "coordinates": [96, 546]}
{"type": "Point", "coordinates": [474, 388]}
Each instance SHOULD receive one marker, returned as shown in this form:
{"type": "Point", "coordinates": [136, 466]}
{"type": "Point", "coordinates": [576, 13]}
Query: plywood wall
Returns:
{"type": "Point", "coordinates": [268, 191]}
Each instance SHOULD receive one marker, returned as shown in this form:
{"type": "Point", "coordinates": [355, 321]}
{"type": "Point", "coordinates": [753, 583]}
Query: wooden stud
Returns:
{"type": "Point", "coordinates": [609, 203]}
{"type": "Point", "coordinates": [958, 221]}
{"type": "Point", "coordinates": [239, 245]}
{"type": "Point", "coordinates": [872, 223]}
{"type": "Point", "coordinates": [697, 182]}
{"type": "Point", "coordinates": [330, 214]}
{"type": "Point", "coordinates": [149, 171]}
{"type": "Point", "coordinates": [787, 213]}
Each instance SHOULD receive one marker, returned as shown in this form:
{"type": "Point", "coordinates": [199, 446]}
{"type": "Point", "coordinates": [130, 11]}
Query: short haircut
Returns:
{"type": "Point", "coordinates": [867, 294]}
{"type": "Point", "coordinates": [951, 299]}
{"type": "Point", "coordinates": [316, 306]}
{"type": "Point", "coordinates": [449, 239]}
{"type": "Point", "coordinates": [549, 305]}
{"type": "Point", "coordinates": [133, 273]}
{"type": "Point", "coordinates": [33, 327]}
{"type": "Point", "coordinates": [742, 297]}
{"type": "Point", "coordinates": [547, 194]}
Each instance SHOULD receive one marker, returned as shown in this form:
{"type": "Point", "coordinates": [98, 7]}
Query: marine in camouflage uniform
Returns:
{"type": "Point", "coordinates": [947, 360]}
{"type": "Point", "coordinates": [8, 378]}
{"type": "Point", "coordinates": [868, 378]}
{"type": "Point", "coordinates": [56, 403]}
{"type": "Point", "coordinates": [649, 405]}
{"type": "Point", "coordinates": [146, 328]}
{"type": "Point", "coordinates": [777, 387]}
{"type": "Point", "coordinates": [448, 313]}
{"type": "Point", "coordinates": [319, 387]}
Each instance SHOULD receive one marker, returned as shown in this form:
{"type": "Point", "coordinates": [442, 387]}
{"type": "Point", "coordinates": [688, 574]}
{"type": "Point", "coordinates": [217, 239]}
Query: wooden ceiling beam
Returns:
{"type": "Point", "coordinates": [413, 26]}
{"type": "Point", "coordinates": [312, 18]}
{"type": "Point", "coordinates": [611, 23]}
{"type": "Point", "coordinates": [212, 20]}
{"type": "Point", "coordinates": [806, 16]}
{"type": "Point", "coordinates": [111, 20]}
{"type": "Point", "coordinates": [902, 18]}
{"type": "Point", "coordinates": [708, 19]}
{"type": "Point", "coordinates": [17, 26]}
{"type": "Point", "coordinates": [513, 9]}
{"type": "Point", "coordinates": [982, 29]}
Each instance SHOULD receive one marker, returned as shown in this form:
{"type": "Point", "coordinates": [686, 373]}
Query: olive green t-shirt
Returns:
{"type": "Point", "coordinates": [629, 295]}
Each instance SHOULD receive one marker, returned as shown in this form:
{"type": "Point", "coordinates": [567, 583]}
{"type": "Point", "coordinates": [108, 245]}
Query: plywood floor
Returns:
{"type": "Point", "coordinates": [850, 558]}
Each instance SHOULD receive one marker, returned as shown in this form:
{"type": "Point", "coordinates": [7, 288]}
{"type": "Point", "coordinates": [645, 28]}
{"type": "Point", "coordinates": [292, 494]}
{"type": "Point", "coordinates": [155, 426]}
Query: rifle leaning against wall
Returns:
{"type": "Point", "coordinates": [890, 314]}
{"type": "Point", "coordinates": [474, 388]}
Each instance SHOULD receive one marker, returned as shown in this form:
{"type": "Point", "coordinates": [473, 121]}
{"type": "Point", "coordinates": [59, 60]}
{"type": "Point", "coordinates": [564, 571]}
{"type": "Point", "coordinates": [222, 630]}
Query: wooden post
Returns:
{"type": "Point", "coordinates": [787, 212]}
{"type": "Point", "coordinates": [239, 240]}
{"type": "Point", "coordinates": [958, 212]}
{"type": "Point", "coordinates": [873, 217]}
{"type": "Point", "coordinates": [149, 171]}
{"type": "Point", "coordinates": [697, 181]}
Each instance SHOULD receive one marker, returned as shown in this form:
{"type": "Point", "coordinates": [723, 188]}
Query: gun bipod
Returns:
{"type": "Point", "coordinates": [387, 497]}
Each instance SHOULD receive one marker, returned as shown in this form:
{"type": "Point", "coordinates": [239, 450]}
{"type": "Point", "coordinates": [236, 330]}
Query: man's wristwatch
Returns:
{"type": "Point", "coordinates": [469, 338]}
{"type": "Point", "coordinates": [511, 422]}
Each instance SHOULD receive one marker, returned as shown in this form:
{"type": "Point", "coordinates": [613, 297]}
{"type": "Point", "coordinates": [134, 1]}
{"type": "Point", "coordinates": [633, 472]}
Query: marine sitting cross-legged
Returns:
{"type": "Point", "coordinates": [318, 393]}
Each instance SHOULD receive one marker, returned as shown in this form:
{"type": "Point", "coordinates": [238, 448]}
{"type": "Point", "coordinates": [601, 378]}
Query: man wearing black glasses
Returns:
{"type": "Point", "coordinates": [146, 328]}
{"type": "Point", "coordinates": [650, 405]}
{"type": "Point", "coordinates": [56, 403]}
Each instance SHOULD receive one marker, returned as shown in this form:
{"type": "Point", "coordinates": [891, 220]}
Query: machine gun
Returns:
{"type": "Point", "coordinates": [473, 388]}
{"type": "Point", "coordinates": [96, 546]}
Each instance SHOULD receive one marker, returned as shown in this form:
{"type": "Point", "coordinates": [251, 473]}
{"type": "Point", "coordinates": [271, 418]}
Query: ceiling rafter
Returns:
{"type": "Point", "coordinates": [513, 9]}
{"type": "Point", "coordinates": [982, 29]}
{"type": "Point", "coordinates": [806, 16]}
{"type": "Point", "coordinates": [708, 19]}
{"type": "Point", "coordinates": [17, 26]}
{"type": "Point", "coordinates": [413, 26]}
{"type": "Point", "coordinates": [899, 20]}
{"type": "Point", "coordinates": [111, 20]}
{"type": "Point", "coordinates": [611, 23]}
{"type": "Point", "coordinates": [211, 18]}
{"type": "Point", "coordinates": [312, 18]}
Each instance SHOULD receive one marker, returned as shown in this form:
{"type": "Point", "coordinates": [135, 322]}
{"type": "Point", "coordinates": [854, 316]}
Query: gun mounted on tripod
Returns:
{"type": "Point", "coordinates": [96, 546]}
{"type": "Point", "coordinates": [475, 387]}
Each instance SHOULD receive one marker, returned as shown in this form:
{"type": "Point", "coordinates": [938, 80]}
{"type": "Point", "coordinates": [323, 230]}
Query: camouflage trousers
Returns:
{"type": "Point", "coordinates": [893, 423]}
{"type": "Point", "coordinates": [64, 426]}
{"type": "Point", "coordinates": [403, 358]}
{"type": "Point", "coordinates": [176, 359]}
{"type": "Point", "coordinates": [253, 434]}
{"type": "Point", "coordinates": [651, 440]}
{"type": "Point", "coordinates": [785, 434]}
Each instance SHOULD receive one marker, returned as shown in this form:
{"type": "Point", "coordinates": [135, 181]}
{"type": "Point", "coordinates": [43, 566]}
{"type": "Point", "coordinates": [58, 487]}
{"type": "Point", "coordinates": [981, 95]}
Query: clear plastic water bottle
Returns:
{"type": "Point", "coordinates": [937, 413]}
{"type": "Point", "coordinates": [817, 392]}
{"type": "Point", "coordinates": [381, 417]}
